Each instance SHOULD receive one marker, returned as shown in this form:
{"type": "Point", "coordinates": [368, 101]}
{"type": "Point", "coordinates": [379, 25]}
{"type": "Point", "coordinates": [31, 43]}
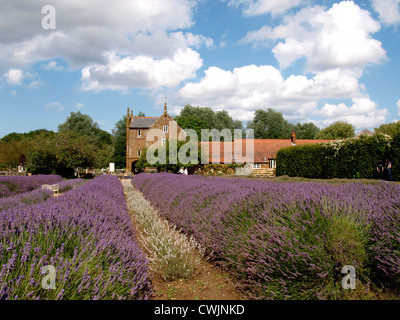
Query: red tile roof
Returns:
{"type": "Point", "coordinates": [264, 149]}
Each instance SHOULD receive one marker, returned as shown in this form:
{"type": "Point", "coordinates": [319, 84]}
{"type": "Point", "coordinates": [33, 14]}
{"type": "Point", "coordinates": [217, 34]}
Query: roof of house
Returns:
{"type": "Point", "coordinates": [264, 149]}
{"type": "Point", "coordinates": [142, 122]}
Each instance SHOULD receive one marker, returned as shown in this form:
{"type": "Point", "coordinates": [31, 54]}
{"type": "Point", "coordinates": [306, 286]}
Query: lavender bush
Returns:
{"type": "Point", "coordinates": [86, 235]}
{"type": "Point", "coordinates": [287, 240]}
{"type": "Point", "coordinates": [37, 195]}
{"type": "Point", "coordinates": [12, 185]}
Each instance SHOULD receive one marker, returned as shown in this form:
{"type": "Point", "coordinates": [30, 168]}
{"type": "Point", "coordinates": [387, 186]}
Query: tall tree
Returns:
{"type": "Point", "coordinates": [119, 141]}
{"type": "Point", "coordinates": [270, 124]}
{"type": "Point", "coordinates": [61, 154]}
{"type": "Point", "coordinates": [84, 125]}
{"type": "Point", "coordinates": [198, 118]}
{"type": "Point", "coordinates": [306, 130]}
{"type": "Point", "coordinates": [336, 131]}
{"type": "Point", "coordinates": [389, 128]}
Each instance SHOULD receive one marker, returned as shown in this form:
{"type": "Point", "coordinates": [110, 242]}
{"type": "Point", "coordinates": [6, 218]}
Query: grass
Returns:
{"type": "Point", "coordinates": [173, 255]}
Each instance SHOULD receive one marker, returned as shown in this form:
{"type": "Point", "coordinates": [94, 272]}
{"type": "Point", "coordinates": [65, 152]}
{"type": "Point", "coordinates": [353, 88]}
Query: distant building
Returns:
{"type": "Point", "coordinates": [136, 133]}
{"type": "Point", "coordinates": [263, 161]}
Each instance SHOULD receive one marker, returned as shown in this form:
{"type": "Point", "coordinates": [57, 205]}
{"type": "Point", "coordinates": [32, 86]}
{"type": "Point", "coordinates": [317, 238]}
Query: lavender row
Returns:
{"type": "Point", "coordinates": [36, 196]}
{"type": "Point", "coordinates": [286, 240]}
{"type": "Point", "coordinates": [86, 235]}
{"type": "Point", "coordinates": [12, 185]}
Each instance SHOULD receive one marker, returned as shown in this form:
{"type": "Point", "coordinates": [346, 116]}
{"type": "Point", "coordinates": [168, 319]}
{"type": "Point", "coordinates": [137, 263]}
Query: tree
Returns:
{"type": "Point", "coordinates": [119, 141]}
{"type": "Point", "coordinates": [198, 118]}
{"type": "Point", "coordinates": [306, 130]}
{"type": "Point", "coordinates": [270, 124]}
{"type": "Point", "coordinates": [175, 164]}
{"type": "Point", "coordinates": [61, 154]}
{"type": "Point", "coordinates": [336, 131]}
{"type": "Point", "coordinates": [13, 136]}
{"type": "Point", "coordinates": [192, 122]}
{"type": "Point", "coordinates": [389, 128]}
{"type": "Point", "coordinates": [84, 125]}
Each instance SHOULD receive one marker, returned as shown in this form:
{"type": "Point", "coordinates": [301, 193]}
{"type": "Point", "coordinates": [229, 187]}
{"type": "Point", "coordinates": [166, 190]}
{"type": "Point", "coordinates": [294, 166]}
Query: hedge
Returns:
{"type": "Point", "coordinates": [351, 158]}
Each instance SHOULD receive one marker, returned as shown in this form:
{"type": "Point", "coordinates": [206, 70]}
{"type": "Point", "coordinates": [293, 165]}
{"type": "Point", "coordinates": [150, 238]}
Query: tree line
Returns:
{"type": "Point", "coordinates": [80, 143]}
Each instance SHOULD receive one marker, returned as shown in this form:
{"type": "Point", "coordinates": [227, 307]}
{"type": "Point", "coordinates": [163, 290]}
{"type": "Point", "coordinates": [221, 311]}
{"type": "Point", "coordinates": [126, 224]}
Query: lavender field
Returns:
{"type": "Point", "coordinates": [288, 240]}
{"type": "Point", "coordinates": [85, 233]}
{"type": "Point", "coordinates": [12, 185]}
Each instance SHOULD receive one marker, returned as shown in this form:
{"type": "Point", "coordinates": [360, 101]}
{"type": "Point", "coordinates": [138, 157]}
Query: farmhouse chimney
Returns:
{"type": "Point", "coordinates": [293, 138]}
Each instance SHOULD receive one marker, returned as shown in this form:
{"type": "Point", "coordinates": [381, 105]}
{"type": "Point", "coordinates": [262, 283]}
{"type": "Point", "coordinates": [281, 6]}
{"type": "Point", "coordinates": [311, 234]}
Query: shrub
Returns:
{"type": "Point", "coordinates": [287, 240]}
{"type": "Point", "coordinates": [353, 158]}
{"type": "Point", "coordinates": [86, 234]}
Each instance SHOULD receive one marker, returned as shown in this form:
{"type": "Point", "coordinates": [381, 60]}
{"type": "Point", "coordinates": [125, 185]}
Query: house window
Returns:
{"type": "Point", "coordinates": [163, 142]}
{"type": "Point", "coordinates": [256, 165]}
{"type": "Point", "coordinates": [139, 153]}
{"type": "Point", "coordinates": [272, 163]}
{"type": "Point", "coordinates": [165, 129]}
{"type": "Point", "coordinates": [139, 132]}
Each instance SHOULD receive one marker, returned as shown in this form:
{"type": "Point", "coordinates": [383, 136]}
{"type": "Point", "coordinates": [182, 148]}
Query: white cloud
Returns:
{"type": "Point", "coordinates": [389, 11]}
{"type": "Point", "coordinates": [364, 113]}
{"type": "Point", "coordinates": [142, 71]}
{"type": "Point", "coordinates": [339, 37]}
{"type": "Point", "coordinates": [13, 93]}
{"type": "Point", "coordinates": [14, 77]}
{"type": "Point", "coordinates": [245, 89]}
{"type": "Point", "coordinates": [259, 7]}
{"type": "Point", "coordinates": [53, 65]}
{"type": "Point", "coordinates": [89, 31]}
{"type": "Point", "coordinates": [398, 107]}
{"type": "Point", "coordinates": [79, 105]}
{"type": "Point", "coordinates": [55, 105]}
{"type": "Point", "coordinates": [336, 44]}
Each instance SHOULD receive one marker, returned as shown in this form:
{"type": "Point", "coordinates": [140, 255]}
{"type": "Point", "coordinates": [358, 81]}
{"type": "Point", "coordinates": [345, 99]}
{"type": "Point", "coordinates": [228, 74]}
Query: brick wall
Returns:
{"type": "Point", "coordinates": [134, 143]}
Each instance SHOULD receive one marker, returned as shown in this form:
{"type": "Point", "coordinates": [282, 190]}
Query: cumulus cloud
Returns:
{"type": "Point", "coordinates": [14, 77]}
{"type": "Point", "coordinates": [89, 31]}
{"type": "Point", "coordinates": [258, 7]}
{"type": "Point", "coordinates": [53, 65]}
{"type": "Point", "coordinates": [245, 89]}
{"type": "Point", "coordinates": [364, 113]}
{"type": "Point", "coordinates": [339, 37]}
{"type": "Point", "coordinates": [141, 71]}
{"type": "Point", "coordinates": [389, 11]}
{"type": "Point", "coordinates": [337, 45]}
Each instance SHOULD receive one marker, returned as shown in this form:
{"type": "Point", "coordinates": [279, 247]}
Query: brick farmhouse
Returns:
{"type": "Point", "coordinates": [261, 162]}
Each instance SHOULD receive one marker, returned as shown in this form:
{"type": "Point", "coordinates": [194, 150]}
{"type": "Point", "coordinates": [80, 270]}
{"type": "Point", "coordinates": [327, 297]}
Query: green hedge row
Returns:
{"type": "Point", "coordinates": [352, 158]}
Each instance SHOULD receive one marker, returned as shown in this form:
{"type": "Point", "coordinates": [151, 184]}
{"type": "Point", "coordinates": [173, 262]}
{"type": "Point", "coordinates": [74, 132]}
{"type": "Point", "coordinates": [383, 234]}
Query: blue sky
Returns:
{"type": "Point", "coordinates": [314, 61]}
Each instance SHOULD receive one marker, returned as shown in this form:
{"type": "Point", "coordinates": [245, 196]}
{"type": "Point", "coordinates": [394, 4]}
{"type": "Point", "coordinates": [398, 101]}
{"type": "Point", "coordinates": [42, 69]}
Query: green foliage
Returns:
{"type": "Point", "coordinates": [84, 125]}
{"type": "Point", "coordinates": [389, 128]}
{"type": "Point", "coordinates": [352, 158]}
{"type": "Point", "coordinates": [395, 156]}
{"type": "Point", "coordinates": [197, 118]}
{"type": "Point", "coordinates": [306, 130]}
{"type": "Point", "coordinates": [61, 154]}
{"type": "Point", "coordinates": [269, 124]}
{"type": "Point", "coordinates": [172, 163]}
{"type": "Point", "coordinates": [336, 131]}
{"type": "Point", "coordinates": [14, 137]}
{"type": "Point", "coordinates": [119, 140]}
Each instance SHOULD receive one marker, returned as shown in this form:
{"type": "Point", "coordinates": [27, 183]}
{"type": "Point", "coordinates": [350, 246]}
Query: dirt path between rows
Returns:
{"type": "Point", "coordinates": [208, 282]}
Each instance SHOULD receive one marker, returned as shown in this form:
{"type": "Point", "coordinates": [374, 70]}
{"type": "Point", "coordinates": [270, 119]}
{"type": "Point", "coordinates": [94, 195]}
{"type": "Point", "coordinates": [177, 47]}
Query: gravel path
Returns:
{"type": "Point", "coordinates": [205, 282]}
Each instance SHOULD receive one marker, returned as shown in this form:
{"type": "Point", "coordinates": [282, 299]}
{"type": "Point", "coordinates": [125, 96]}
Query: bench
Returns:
{"type": "Point", "coordinates": [54, 187]}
